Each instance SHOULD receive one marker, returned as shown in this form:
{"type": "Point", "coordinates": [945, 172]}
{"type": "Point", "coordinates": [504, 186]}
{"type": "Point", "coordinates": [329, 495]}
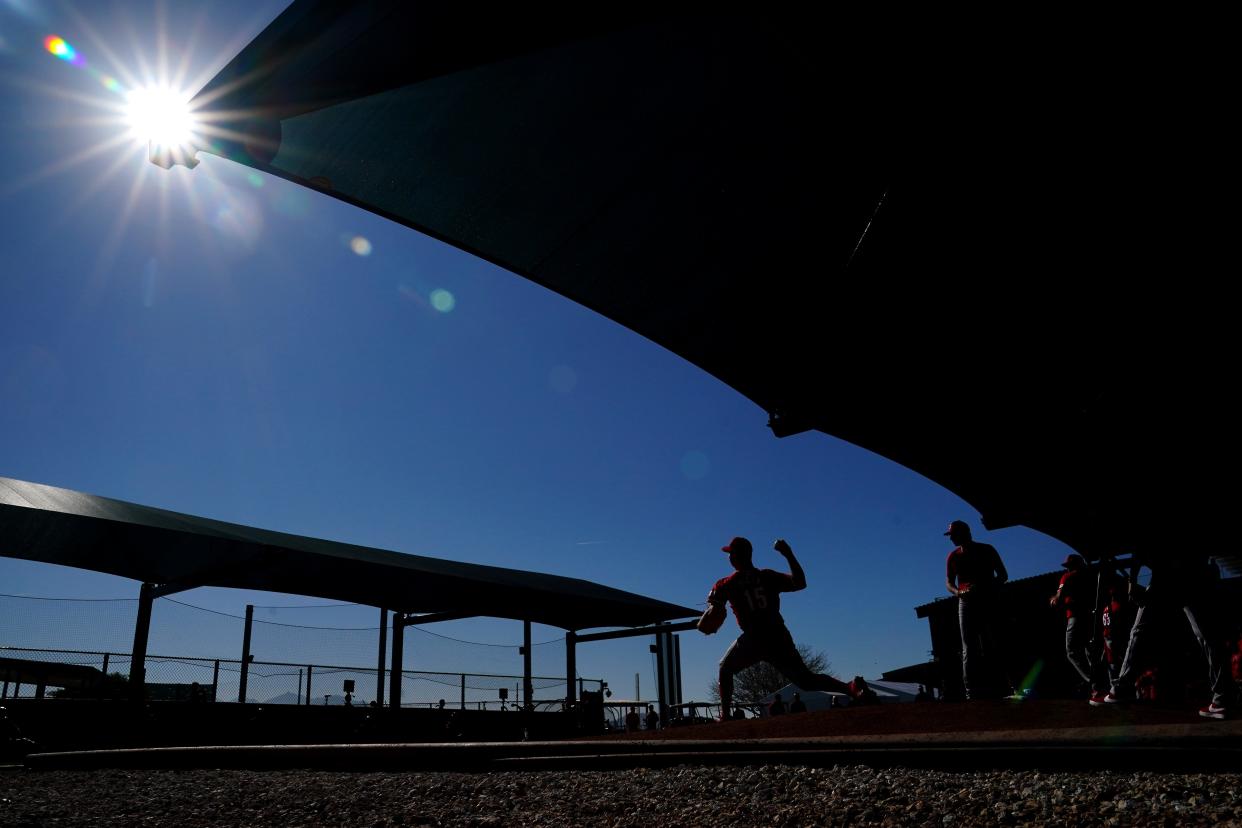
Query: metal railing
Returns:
{"type": "Point", "coordinates": [184, 678]}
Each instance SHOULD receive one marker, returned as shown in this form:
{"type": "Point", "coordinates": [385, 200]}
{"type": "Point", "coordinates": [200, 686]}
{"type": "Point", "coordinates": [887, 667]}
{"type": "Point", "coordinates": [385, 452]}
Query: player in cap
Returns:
{"type": "Point", "coordinates": [1181, 579]}
{"type": "Point", "coordinates": [754, 595]}
{"type": "Point", "coordinates": [973, 571]}
{"type": "Point", "coordinates": [1075, 595]}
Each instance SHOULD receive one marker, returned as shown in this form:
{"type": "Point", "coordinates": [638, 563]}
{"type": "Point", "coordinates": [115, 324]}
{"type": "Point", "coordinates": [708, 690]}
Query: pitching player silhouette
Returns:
{"type": "Point", "coordinates": [754, 595]}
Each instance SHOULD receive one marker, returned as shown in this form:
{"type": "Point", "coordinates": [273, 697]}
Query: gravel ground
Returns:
{"type": "Point", "coordinates": [775, 795]}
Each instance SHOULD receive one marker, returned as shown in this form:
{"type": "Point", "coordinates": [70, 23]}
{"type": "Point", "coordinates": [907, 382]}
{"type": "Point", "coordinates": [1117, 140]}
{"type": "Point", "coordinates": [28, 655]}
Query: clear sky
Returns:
{"type": "Point", "coordinates": [215, 342]}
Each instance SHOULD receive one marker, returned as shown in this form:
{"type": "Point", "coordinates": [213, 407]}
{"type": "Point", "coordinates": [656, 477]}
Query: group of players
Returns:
{"type": "Point", "coordinates": [1110, 620]}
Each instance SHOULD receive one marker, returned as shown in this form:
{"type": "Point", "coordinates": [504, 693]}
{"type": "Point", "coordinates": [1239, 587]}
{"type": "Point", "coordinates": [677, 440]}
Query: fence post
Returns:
{"type": "Point", "coordinates": [398, 656]}
{"type": "Point", "coordinates": [661, 676]}
{"type": "Point", "coordinates": [379, 664]}
{"type": "Point", "coordinates": [215, 681]}
{"type": "Point", "coordinates": [299, 686]}
{"type": "Point", "coordinates": [245, 665]}
{"type": "Point", "coordinates": [571, 667]}
{"type": "Point", "coordinates": [463, 691]}
{"type": "Point", "coordinates": [104, 669]}
{"type": "Point", "coordinates": [677, 670]}
{"type": "Point", "coordinates": [527, 684]}
{"type": "Point", "coordinates": [310, 668]}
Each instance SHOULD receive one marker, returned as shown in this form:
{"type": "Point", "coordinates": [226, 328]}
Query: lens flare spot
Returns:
{"type": "Point", "coordinates": [291, 201]}
{"type": "Point", "coordinates": [695, 465]}
{"type": "Point", "coordinates": [238, 220]}
{"type": "Point", "coordinates": [410, 294]}
{"type": "Point", "coordinates": [254, 180]}
{"type": "Point", "coordinates": [562, 379]}
{"type": "Point", "coordinates": [442, 300]}
{"type": "Point", "coordinates": [60, 48]}
{"type": "Point", "coordinates": [112, 84]}
{"type": "Point", "coordinates": [1031, 679]}
{"type": "Point", "coordinates": [361, 245]}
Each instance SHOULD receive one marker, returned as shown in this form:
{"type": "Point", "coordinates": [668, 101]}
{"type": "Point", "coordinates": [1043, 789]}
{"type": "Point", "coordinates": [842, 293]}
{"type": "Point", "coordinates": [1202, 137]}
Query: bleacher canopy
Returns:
{"type": "Point", "coordinates": [51, 673]}
{"type": "Point", "coordinates": [58, 526]}
{"type": "Point", "coordinates": [976, 258]}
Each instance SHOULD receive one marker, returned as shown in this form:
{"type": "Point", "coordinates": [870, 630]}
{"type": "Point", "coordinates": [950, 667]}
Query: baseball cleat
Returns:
{"type": "Point", "coordinates": [1213, 711]}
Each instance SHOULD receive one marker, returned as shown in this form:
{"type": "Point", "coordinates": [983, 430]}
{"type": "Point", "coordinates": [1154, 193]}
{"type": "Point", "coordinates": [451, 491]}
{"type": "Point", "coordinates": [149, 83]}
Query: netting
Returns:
{"type": "Point", "coordinates": [298, 653]}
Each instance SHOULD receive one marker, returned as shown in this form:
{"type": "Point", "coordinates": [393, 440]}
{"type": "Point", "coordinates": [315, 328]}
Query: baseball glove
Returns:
{"type": "Point", "coordinates": [713, 619]}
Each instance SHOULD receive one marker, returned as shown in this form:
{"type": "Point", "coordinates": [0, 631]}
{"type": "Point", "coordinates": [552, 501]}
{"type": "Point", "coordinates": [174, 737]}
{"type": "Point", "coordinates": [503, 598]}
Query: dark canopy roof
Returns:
{"type": "Point", "coordinates": [975, 263]}
{"type": "Point", "coordinates": [43, 523]}
{"type": "Point", "coordinates": [29, 671]}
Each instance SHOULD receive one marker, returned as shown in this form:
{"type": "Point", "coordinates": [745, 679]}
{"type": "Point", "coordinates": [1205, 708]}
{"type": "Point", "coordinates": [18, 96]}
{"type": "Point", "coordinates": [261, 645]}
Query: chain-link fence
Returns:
{"type": "Point", "coordinates": [311, 641]}
{"type": "Point", "coordinates": [183, 678]}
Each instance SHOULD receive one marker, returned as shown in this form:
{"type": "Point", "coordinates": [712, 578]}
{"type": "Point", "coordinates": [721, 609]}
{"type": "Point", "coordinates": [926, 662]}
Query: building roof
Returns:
{"type": "Point", "coordinates": [943, 256]}
{"type": "Point", "coordinates": [59, 526]}
{"type": "Point", "coordinates": [54, 673]}
{"type": "Point", "coordinates": [1029, 582]}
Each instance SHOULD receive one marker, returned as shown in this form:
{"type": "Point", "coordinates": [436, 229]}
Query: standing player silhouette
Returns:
{"type": "Point", "coordinates": [754, 595]}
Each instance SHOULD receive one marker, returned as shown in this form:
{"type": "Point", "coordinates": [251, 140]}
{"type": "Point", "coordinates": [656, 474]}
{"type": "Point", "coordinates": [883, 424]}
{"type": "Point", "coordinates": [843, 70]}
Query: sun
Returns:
{"type": "Point", "coordinates": [161, 117]}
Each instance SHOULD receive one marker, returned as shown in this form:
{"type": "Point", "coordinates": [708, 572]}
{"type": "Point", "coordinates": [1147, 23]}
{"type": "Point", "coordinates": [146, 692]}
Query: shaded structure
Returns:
{"type": "Point", "coordinates": [1032, 638]}
{"type": "Point", "coordinates": [169, 552]}
{"type": "Point", "coordinates": [14, 672]}
{"type": "Point", "coordinates": [967, 260]}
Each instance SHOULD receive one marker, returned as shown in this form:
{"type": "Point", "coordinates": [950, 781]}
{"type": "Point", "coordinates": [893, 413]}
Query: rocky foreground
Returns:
{"type": "Point", "coordinates": [689, 795]}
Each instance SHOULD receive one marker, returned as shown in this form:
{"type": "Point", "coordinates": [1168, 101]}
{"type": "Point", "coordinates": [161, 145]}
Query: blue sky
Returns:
{"type": "Point", "coordinates": [208, 341]}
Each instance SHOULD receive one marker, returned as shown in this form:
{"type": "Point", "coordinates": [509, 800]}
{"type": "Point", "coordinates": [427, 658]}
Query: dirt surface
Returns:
{"type": "Point", "coordinates": [936, 717]}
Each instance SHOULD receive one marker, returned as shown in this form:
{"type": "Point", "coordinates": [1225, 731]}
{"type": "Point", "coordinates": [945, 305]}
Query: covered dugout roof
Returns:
{"type": "Point", "coordinates": [977, 261]}
{"type": "Point", "coordinates": [51, 525]}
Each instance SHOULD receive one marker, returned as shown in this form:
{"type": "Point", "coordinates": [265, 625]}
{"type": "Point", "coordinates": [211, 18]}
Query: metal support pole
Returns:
{"type": "Point", "coordinates": [310, 669]}
{"type": "Point", "coordinates": [104, 668]}
{"type": "Point", "coordinates": [527, 685]}
{"type": "Point", "coordinates": [379, 664]}
{"type": "Point", "coordinates": [5, 693]}
{"type": "Point", "coordinates": [398, 646]}
{"type": "Point", "coordinates": [215, 681]}
{"type": "Point", "coordinates": [300, 686]}
{"type": "Point", "coordinates": [142, 630]}
{"type": "Point", "coordinates": [40, 689]}
{"type": "Point", "coordinates": [677, 669]}
{"type": "Point", "coordinates": [661, 676]}
{"type": "Point", "coordinates": [463, 691]}
{"type": "Point", "coordinates": [571, 668]}
{"type": "Point", "coordinates": [245, 664]}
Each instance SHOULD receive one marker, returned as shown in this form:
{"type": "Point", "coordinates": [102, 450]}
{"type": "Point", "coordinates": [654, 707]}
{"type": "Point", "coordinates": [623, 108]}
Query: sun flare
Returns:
{"type": "Point", "coordinates": [161, 117]}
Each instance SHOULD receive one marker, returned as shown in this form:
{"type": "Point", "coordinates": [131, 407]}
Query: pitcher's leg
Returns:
{"type": "Point", "coordinates": [740, 655]}
{"type": "Point", "coordinates": [970, 643]}
{"type": "Point", "coordinates": [1201, 624]}
{"type": "Point", "coordinates": [1077, 633]}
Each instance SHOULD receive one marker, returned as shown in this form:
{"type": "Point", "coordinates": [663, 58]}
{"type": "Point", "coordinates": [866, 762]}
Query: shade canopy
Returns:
{"type": "Point", "coordinates": [58, 526]}
{"type": "Point", "coordinates": [51, 673]}
{"type": "Point", "coordinates": [979, 263]}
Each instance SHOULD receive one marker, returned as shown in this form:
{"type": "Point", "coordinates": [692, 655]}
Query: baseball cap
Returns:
{"type": "Point", "coordinates": [739, 546]}
{"type": "Point", "coordinates": [1073, 561]}
{"type": "Point", "coordinates": [957, 524]}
